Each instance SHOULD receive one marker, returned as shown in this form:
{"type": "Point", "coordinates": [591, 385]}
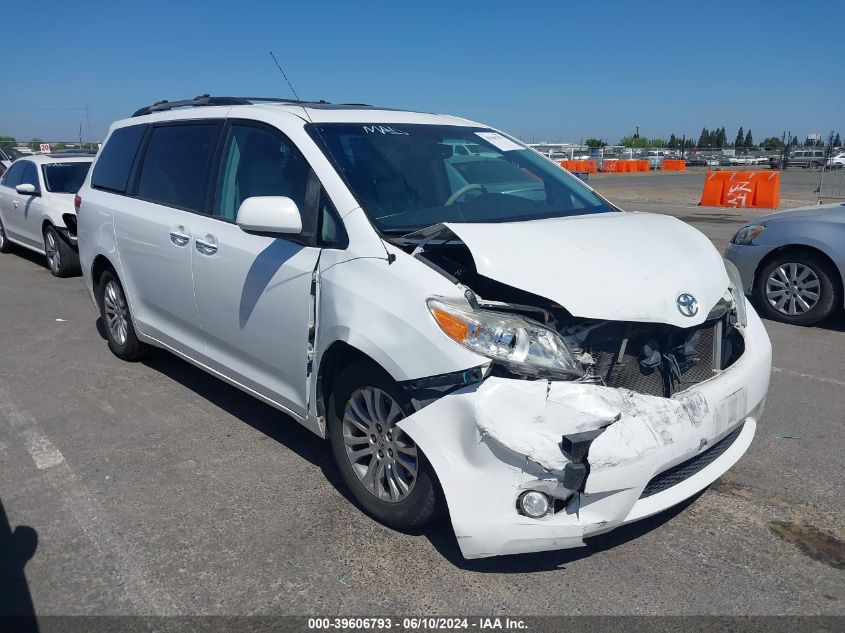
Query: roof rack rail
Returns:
{"type": "Point", "coordinates": [208, 100]}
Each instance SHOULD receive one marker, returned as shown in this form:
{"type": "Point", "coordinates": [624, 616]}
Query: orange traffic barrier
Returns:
{"type": "Point", "coordinates": [583, 166]}
{"type": "Point", "coordinates": [741, 189]}
{"type": "Point", "coordinates": [674, 165]}
{"type": "Point", "coordinates": [642, 165]}
{"type": "Point", "coordinates": [767, 194]}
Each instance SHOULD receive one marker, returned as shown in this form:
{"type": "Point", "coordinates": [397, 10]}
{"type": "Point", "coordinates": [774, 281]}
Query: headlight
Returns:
{"type": "Point", "coordinates": [525, 347]}
{"type": "Point", "coordinates": [737, 292]}
{"type": "Point", "coordinates": [746, 234]}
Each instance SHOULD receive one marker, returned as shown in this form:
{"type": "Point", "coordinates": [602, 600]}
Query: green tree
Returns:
{"type": "Point", "coordinates": [836, 141]}
{"type": "Point", "coordinates": [773, 142]}
{"type": "Point", "coordinates": [8, 141]}
{"type": "Point", "coordinates": [631, 141]}
{"type": "Point", "coordinates": [749, 140]}
{"type": "Point", "coordinates": [594, 143]}
{"type": "Point", "coordinates": [794, 142]}
{"type": "Point", "coordinates": [673, 142]}
{"type": "Point", "coordinates": [704, 139]}
{"type": "Point", "coordinates": [721, 138]}
{"type": "Point", "coordinates": [35, 144]}
{"type": "Point", "coordinates": [740, 138]}
{"type": "Point", "coordinates": [58, 146]}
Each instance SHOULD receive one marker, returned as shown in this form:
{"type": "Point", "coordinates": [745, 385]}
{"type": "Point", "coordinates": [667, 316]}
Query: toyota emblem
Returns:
{"type": "Point", "coordinates": [687, 304]}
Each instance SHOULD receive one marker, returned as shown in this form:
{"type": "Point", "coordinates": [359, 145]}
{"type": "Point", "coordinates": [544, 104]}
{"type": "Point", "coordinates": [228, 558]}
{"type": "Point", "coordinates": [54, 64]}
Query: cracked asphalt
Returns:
{"type": "Point", "coordinates": [153, 488]}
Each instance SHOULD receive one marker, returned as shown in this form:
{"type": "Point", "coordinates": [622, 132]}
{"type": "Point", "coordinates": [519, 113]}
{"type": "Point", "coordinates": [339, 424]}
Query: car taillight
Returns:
{"type": "Point", "coordinates": [77, 202]}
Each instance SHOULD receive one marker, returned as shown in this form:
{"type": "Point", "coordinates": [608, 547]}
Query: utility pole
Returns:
{"type": "Point", "coordinates": [88, 120]}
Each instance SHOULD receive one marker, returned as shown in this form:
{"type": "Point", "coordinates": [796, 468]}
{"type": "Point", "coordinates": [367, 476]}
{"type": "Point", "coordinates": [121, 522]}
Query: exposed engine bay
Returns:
{"type": "Point", "coordinates": [649, 358]}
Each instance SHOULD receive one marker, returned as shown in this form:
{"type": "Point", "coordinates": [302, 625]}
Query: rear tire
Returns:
{"type": "Point", "coordinates": [798, 288]}
{"type": "Point", "coordinates": [365, 424]}
{"type": "Point", "coordinates": [114, 310]}
{"type": "Point", "coordinates": [5, 244]}
{"type": "Point", "coordinates": [62, 259]}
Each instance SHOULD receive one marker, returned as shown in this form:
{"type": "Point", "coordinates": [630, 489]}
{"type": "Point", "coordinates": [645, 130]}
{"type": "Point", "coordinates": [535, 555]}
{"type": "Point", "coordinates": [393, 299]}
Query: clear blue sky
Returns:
{"type": "Point", "coordinates": [553, 71]}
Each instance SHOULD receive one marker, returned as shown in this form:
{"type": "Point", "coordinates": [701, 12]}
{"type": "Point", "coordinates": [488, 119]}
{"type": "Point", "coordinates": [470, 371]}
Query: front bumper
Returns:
{"type": "Point", "coordinates": [747, 258]}
{"type": "Point", "coordinates": [491, 441]}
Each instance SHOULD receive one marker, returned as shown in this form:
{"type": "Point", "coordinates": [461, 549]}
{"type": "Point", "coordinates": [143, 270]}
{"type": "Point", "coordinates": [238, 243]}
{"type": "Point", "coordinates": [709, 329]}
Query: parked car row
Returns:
{"type": "Point", "coordinates": [36, 207]}
{"type": "Point", "coordinates": [475, 332]}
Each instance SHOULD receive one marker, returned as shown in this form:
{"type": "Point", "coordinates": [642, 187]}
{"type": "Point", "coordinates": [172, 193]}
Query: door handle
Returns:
{"type": "Point", "coordinates": [206, 248]}
{"type": "Point", "coordinates": [179, 239]}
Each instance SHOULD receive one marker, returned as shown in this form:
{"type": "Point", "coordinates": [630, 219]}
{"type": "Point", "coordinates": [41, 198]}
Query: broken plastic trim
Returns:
{"type": "Point", "coordinates": [424, 391]}
{"type": "Point", "coordinates": [576, 446]}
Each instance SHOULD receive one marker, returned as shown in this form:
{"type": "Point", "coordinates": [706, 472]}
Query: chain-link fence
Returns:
{"type": "Point", "coordinates": [832, 183]}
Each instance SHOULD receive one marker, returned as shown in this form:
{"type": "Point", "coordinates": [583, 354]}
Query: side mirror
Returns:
{"type": "Point", "coordinates": [27, 189]}
{"type": "Point", "coordinates": [270, 214]}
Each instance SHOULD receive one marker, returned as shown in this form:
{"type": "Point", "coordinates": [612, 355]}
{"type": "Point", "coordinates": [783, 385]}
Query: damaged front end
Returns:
{"type": "Point", "coordinates": [580, 423]}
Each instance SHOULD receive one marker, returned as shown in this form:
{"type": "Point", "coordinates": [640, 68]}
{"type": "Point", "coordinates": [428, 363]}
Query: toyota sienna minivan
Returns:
{"type": "Point", "coordinates": [477, 334]}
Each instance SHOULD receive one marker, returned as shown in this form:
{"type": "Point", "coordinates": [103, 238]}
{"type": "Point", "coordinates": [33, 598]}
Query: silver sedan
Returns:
{"type": "Point", "coordinates": [793, 262]}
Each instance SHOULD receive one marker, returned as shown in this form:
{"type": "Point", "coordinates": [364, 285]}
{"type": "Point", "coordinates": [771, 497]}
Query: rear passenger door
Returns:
{"type": "Point", "coordinates": [154, 231]}
{"type": "Point", "coordinates": [253, 291]}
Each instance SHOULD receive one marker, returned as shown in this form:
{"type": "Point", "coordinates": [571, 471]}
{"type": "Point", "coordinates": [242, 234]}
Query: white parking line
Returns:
{"type": "Point", "coordinates": [43, 453]}
{"type": "Point", "coordinates": [130, 564]}
{"type": "Point", "coordinates": [798, 374]}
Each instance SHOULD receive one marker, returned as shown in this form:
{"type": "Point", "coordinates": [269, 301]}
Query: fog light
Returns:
{"type": "Point", "coordinates": [533, 504]}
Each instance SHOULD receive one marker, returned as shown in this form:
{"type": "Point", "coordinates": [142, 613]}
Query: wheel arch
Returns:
{"type": "Point", "coordinates": [801, 248]}
{"type": "Point", "coordinates": [337, 356]}
{"type": "Point", "coordinates": [100, 265]}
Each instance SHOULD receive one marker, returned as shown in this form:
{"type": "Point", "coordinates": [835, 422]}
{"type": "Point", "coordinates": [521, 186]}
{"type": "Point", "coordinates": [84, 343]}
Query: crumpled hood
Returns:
{"type": "Point", "coordinates": [618, 266]}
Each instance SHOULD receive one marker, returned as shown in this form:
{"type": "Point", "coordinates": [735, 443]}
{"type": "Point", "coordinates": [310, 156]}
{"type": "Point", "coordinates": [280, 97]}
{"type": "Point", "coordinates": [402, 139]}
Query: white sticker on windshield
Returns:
{"type": "Point", "coordinates": [498, 141]}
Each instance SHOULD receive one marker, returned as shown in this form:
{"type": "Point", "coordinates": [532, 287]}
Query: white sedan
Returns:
{"type": "Point", "coordinates": [836, 162]}
{"type": "Point", "coordinates": [37, 208]}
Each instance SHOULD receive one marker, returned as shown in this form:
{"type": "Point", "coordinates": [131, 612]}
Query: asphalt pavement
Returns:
{"type": "Point", "coordinates": [153, 488]}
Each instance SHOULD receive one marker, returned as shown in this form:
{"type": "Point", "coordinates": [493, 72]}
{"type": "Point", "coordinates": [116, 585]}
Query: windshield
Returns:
{"type": "Point", "coordinates": [65, 177]}
{"type": "Point", "coordinates": [407, 177]}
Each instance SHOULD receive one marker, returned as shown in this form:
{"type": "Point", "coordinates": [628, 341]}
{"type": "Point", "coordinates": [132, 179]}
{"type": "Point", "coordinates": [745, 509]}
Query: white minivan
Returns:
{"type": "Point", "coordinates": [483, 335]}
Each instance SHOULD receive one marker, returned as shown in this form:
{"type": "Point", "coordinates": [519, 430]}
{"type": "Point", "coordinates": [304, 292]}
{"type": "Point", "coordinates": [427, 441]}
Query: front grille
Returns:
{"type": "Point", "coordinates": [687, 469]}
{"type": "Point", "coordinates": [654, 359]}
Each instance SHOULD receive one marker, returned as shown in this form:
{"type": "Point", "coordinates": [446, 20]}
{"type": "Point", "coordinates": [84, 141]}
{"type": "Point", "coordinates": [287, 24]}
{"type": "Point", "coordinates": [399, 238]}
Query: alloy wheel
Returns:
{"type": "Point", "coordinates": [793, 289]}
{"type": "Point", "coordinates": [382, 456]}
{"type": "Point", "coordinates": [114, 306]}
{"type": "Point", "coordinates": [51, 248]}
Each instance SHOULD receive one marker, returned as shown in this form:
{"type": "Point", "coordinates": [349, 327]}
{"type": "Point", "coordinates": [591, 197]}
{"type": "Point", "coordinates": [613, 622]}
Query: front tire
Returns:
{"type": "Point", "coordinates": [798, 288]}
{"type": "Point", "coordinates": [387, 474]}
{"type": "Point", "coordinates": [62, 260]}
{"type": "Point", "coordinates": [5, 244]}
{"type": "Point", "coordinates": [114, 310]}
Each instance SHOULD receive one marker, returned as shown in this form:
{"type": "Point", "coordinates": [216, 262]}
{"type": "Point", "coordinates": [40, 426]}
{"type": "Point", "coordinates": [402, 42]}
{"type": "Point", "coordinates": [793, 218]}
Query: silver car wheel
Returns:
{"type": "Point", "coordinates": [114, 305]}
{"type": "Point", "coordinates": [382, 456]}
{"type": "Point", "coordinates": [793, 289]}
{"type": "Point", "coordinates": [52, 251]}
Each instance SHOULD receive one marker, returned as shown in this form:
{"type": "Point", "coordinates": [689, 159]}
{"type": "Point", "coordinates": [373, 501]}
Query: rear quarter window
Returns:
{"type": "Point", "coordinates": [111, 172]}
